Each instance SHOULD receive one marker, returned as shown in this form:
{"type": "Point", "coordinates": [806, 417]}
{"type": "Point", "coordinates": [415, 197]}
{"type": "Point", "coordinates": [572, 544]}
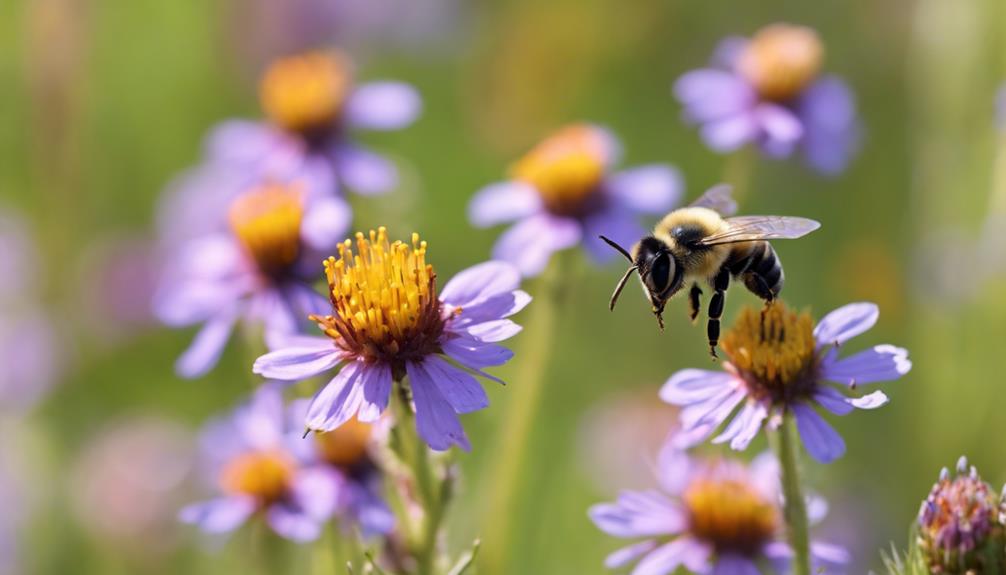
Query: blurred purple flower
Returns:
{"type": "Point", "coordinates": [262, 467]}
{"type": "Point", "coordinates": [259, 271]}
{"type": "Point", "coordinates": [388, 322]}
{"type": "Point", "coordinates": [709, 516]}
{"type": "Point", "coordinates": [129, 480]}
{"type": "Point", "coordinates": [563, 193]}
{"type": "Point", "coordinates": [30, 360]}
{"type": "Point", "coordinates": [780, 362]}
{"type": "Point", "coordinates": [766, 90]}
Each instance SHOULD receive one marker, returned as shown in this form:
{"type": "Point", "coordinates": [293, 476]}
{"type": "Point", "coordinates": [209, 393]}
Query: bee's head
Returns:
{"type": "Point", "coordinates": [659, 272]}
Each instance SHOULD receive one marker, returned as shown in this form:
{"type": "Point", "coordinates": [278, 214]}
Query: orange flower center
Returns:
{"type": "Point", "coordinates": [306, 93]}
{"type": "Point", "coordinates": [265, 475]}
{"type": "Point", "coordinates": [267, 222]}
{"type": "Point", "coordinates": [731, 515]}
{"type": "Point", "coordinates": [781, 60]}
{"type": "Point", "coordinates": [566, 168]}
{"type": "Point", "coordinates": [346, 445]}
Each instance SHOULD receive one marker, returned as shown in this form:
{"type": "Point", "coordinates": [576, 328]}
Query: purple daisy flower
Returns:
{"type": "Point", "coordinates": [779, 361]}
{"type": "Point", "coordinates": [261, 467]}
{"type": "Point", "coordinates": [563, 192]}
{"type": "Point", "coordinates": [258, 270]}
{"type": "Point", "coordinates": [709, 516]}
{"type": "Point", "coordinates": [767, 90]}
{"type": "Point", "coordinates": [389, 322]}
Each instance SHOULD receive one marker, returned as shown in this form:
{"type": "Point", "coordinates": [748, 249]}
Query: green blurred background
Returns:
{"type": "Point", "coordinates": [103, 102]}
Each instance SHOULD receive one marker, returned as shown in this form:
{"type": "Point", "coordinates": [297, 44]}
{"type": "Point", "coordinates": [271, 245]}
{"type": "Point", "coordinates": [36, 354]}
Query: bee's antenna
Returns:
{"type": "Point", "coordinates": [620, 249]}
{"type": "Point", "coordinates": [621, 284]}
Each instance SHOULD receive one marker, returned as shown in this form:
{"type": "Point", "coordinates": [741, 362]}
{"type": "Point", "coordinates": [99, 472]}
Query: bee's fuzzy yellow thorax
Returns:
{"type": "Point", "coordinates": [267, 222]}
{"type": "Point", "coordinates": [730, 514]}
{"type": "Point", "coordinates": [384, 298]}
{"type": "Point", "coordinates": [264, 475]}
{"type": "Point", "coordinates": [567, 167]}
{"type": "Point", "coordinates": [346, 445]}
{"type": "Point", "coordinates": [306, 92]}
{"type": "Point", "coordinates": [707, 220]}
{"type": "Point", "coordinates": [781, 60]}
{"type": "Point", "coordinates": [773, 349]}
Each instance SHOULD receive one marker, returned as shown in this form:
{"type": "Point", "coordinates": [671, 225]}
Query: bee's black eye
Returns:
{"type": "Point", "coordinates": [660, 272]}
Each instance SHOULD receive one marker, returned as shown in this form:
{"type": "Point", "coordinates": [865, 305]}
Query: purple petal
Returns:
{"type": "Point", "coordinates": [298, 363]}
{"type": "Point", "coordinates": [338, 401]}
{"type": "Point", "coordinates": [700, 420]}
{"type": "Point", "coordinates": [491, 309]}
{"type": "Point", "coordinates": [652, 189]}
{"type": "Point", "coordinates": [206, 348]}
{"type": "Point", "coordinates": [832, 400]}
{"type": "Point", "coordinates": [503, 202]}
{"type": "Point", "coordinates": [732, 564]}
{"type": "Point", "coordinates": [317, 491]}
{"type": "Point", "coordinates": [711, 95]}
{"type": "Point", "coordinates": [627, 555]}
{"type": "Point", "coordinates": [530, 242]}
{"type": "Point", "coordinates": [832, 131]}
{"type": "Point", "coordinates": [325, 223]}
{"type": "Point", "coordinates": [728, 51]}
{"type": "Point", "coordinates": [821, 440]}
{"type": "Point", "coordinates": [244, 142]}
{"type": "Point", "coordinates": [219, 515]}
{"type": "Point", "coordinates": [639, 514]}
{"type": "Point", "coordinates": [292, 523]}
{"type": "Point", "coordinates": [666, 559]}
{"type": "Point", "coordinates": [479, 282]}
{"type": "Point", "coordinates": [260, 421]}
{"type": "Point", "coordinates": [364, 171]}
{"type": "Point", "coordinates": [383, 106]}
{"type": "Point", "coordinates": [376, 381]}
{"type": "Point", "coordinates": [674, 469]}
{"type": "Point", "coordinates": [493, 331]}
{"type": "Point", "coordinates": [436, 420]}
{"type": "Point", "coordinates": [616, 223]}
{"type": "Point", "coordinates": [474, 353]}
{"type": "Point", "coordinates": [830, 554]}
{"type": "Point", "coordinates": [880, 363]}
{"type": "Point", "coordinates": [845, 323]}
{"type": "Point", "coordinates": [743, 429]}
{"type": "Point", "coordinates": [870, 400]}
{"type": "Point", "coordinates": [691, 385]}
{"type": "Point", "coordinates": [730, 133]}
{"type": "Point", "coordinates": [779, 124]}
{"type": "Point", "coordinates": [461, 390]}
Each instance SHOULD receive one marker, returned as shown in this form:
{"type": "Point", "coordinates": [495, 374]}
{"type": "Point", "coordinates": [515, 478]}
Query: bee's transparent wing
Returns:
{"type": "Point", "coordinates": [718, 199]}
{"type": "Point", "coordinates": [754, 228]}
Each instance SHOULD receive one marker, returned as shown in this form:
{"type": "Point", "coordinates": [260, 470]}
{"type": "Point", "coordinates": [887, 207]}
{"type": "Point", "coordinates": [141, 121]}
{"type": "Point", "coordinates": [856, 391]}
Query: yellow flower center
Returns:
{"type": "Point", "coordinates": [267, 221]}
{"type": "Point", "coordinates": [384, 299]}
{"type": "Point", "coordinates": [773, 349]}
{"type": "Point", "coordinates": [346, 445]}
{"type": "Point", "coordinates": [781, 60]}
{"type": "Point", "coordinates": [306, 93]}
{"type": "Point", "coordinates": [566, 168]}
{"type": "Point", "coordinates": [730, 514]}
{"type": "Point", "coordinates": [265, 475]}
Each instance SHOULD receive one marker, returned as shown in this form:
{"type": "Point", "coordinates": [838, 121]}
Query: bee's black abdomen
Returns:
{"type": "Point", "coordinates": [760, 270]}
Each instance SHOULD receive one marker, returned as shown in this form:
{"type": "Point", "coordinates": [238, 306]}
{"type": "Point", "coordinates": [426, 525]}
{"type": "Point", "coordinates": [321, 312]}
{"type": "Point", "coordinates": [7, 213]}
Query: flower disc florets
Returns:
{"type": "Point", "coordinates": [774, 351]}
{"type": "Point", "coordinates": [267, 223]}
{"type": "Point", "coordinates": [781, 60]}
{"type": "Point", "coordinates": [960, 528]}
{"type": "Point", "coordinates": [384, 299]}
{"type": "Point", "coordinates": [306, 93]}
{"type": "Point", "coordinates": [264, 475]}
{"type": "Point", "coordinates": [730, 514]}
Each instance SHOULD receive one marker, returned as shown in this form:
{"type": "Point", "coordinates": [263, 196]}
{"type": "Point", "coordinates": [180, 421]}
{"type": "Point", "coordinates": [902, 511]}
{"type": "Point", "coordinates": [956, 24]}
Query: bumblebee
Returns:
{"type": "Point", "coordinates": [702, 244]}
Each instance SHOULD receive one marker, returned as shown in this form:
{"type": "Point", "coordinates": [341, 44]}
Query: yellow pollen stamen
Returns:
{"type": "Point", "coordinates": [267, 222]}
{"type": "Point", "coordinates": [264, 475]}
{"type": "Point", "coordinates": [774, 349]}
{"type": "Point", "coordinates": [306, 92]}
{"type": "Point", "coordinates": [566, 168]}
{"type": "Point", "coordinates": [346, 445]}
{"type": "Point", "coordinates": [781, 60]}
{"type": "Point", "coordinates": [730, 514]}
{"type": "Point", "coordinates": [384, 298]}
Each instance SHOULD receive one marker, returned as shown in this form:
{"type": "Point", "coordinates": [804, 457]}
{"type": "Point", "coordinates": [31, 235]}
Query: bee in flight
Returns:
{"type": "Point", "coordinates": [700, 243]}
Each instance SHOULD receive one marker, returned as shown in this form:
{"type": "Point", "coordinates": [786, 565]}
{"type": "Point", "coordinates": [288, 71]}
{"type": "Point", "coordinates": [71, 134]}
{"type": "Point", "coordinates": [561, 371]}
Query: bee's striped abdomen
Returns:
{"type": "Point", "coordinates": [760, 270]}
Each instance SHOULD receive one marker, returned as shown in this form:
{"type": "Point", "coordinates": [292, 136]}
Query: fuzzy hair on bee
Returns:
{"type": "Point", "coordinates": [701, 245]}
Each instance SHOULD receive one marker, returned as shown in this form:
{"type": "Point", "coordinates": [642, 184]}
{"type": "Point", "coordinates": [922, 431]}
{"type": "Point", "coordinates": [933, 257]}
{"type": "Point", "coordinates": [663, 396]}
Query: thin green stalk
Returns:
{"type": "Point", "coordinates": [738, 171]}
{"type": "Point", "coordinates": [525, 395]}
{"type": "Point", "coordinates": [795, 511]}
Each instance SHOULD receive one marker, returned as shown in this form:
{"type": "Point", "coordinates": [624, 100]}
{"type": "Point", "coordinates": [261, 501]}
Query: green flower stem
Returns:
{"type": "Point", "coordinates": [796, 506]}
{"type": "Point", "coordinates": [524, 397]}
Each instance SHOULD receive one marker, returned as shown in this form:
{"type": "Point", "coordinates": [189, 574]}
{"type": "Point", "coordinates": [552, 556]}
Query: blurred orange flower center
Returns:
{"type": "Point", "coordinates": [566, 168]}
{"type": "Point", "coordinates": [731, 515]}
{"type": "Point", "coordinates": [267, 222]}
{"type": "Point", "coordinates": [307, 92]}
{"type": "Point", "coordinates": [346, 445]}
{"type": "Point", "coordinates": [781, 60]}
{"type": "Point", "coordinates": [773, 349]}
{"type": "Point", "coordinates": [384, 298]}
{"type": "Point", "coordinates": [265, 475]}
